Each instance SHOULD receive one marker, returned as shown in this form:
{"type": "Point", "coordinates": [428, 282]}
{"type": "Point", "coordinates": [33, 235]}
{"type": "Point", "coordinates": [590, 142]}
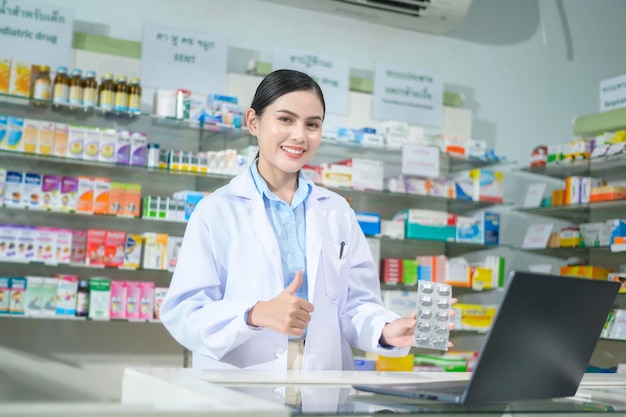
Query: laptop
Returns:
{"type": "Point", "coordinates": [539, 344]}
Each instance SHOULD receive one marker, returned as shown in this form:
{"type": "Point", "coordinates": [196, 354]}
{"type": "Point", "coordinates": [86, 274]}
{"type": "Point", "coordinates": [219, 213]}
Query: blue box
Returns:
{"type": "Point", "coordinates": [369, 222]}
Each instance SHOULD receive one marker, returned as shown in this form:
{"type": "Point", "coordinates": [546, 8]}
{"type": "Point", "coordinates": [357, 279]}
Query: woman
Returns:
{"type": "Point", "coordinates": [275, 272]}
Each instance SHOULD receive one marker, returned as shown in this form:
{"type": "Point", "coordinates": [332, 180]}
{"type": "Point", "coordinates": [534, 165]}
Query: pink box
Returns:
{"type": "Point", "coordinates": [96, 239]}
{"type": "Point", "coordinates": [146, 300]}
{"type": "Point", "coordinates": [133, 293]}
{"type": "Point", "coordinates": [79, 243]}
{"type": "Point", "coordinates": [118, 299]}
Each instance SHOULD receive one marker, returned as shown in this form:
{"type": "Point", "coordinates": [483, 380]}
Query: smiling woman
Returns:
{"type": "Point", "coordinates": [275, 272]}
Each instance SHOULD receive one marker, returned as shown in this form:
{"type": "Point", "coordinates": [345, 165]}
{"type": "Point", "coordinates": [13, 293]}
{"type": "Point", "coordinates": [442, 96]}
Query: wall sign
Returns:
{"type": "Point", "coordinates": [174, 58]}
{"type": "Point", "coordinates": [407, 94]}
{"type": "Point", "coordinates": [613, 93]}
{"type": "Point", "coordinates": [422, 161]}
{"type": "Point", "coordinates": [36, 33]}
{"type": "Point", "coordinates": [331, 73]}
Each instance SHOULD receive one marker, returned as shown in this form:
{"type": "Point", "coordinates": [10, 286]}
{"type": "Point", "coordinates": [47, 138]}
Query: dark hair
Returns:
{"type": "Point", "coordinates": [280, 82]}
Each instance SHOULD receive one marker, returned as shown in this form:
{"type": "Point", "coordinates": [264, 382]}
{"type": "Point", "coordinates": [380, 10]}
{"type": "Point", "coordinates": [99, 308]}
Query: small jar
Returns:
{"type": "Point", "coordinates": [43, 84]}
{"type": "Point", "coordinates": [153, 155]}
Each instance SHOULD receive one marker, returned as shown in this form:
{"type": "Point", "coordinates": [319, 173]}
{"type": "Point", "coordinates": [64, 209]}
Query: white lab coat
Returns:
{"type": "Point", "coordinates": [230, 259]}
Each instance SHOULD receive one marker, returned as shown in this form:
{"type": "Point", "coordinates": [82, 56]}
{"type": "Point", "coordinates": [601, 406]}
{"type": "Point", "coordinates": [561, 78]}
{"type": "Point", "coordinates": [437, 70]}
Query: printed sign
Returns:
{"type": "Point", "coordinates": [36, 33]}
{"type": "Point", "coordinates": [409, 95]}
{"type": "Point", "coordinates": [613, 93]}
{"type": "Point", "coordinates": [174, 58]}
{"type": "Point", "coordinates": [420, 160]}
{"type": "Point", "coordinates": [331, 73]}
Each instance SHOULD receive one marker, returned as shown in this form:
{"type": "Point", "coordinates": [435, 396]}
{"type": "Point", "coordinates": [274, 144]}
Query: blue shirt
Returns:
{"type": "Point", "coordinates": [288, 222]}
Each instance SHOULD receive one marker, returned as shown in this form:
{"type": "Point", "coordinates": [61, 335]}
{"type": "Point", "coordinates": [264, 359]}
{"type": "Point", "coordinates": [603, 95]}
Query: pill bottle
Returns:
{"type": "Point", "coordinates": [120, 94]}
{"type": "Point", "coordinates": [61, 86]}
{"type": "Point", "coordinates": [76, 88]}
{"type": "Point", "coordinates": [134, 96]}
{"type": "Point", "coordinates": [105, 92]}
{"type": "Point", "coordinates": [90, 89]}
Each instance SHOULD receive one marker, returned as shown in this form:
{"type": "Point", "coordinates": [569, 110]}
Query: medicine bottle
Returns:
{"type": "Point", "coordinates": [105, 92]}
{"type": "Point", "coordinates": [43, 84]}
{"type": "Point", "coordinates": [76, 88]}
{"type": "Point", "coordinates": [82, 298]}
{"type": "Point", "coordinates": [61, 86]}
{"type": "Point", "coordinates": [134, 96]}
{"type": "Point", "coordinates": [90, 89]}
{"type": "Point", "coordinates": [120, 95]}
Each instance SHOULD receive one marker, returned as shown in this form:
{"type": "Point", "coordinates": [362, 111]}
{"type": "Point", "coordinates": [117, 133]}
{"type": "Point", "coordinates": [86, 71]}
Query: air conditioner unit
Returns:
{"type": "Point", "coordinates": [430, 16]}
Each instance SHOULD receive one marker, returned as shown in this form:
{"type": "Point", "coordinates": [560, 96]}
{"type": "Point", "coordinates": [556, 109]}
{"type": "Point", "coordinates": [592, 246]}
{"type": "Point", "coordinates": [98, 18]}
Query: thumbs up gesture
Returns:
{"type": "Point", "coordinates": [286, 313]}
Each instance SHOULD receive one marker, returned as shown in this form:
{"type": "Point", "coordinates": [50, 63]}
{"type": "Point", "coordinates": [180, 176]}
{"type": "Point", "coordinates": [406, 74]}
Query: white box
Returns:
{"type": "Point", "coordinates": [367, 174]}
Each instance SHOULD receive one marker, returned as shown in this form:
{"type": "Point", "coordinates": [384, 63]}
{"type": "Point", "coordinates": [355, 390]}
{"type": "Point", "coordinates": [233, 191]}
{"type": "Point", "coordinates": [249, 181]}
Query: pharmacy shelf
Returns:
{"type": "Point", "coordinates": [578, 212]}
{"type": "Point", "coordinates": [577, 252]}
{"type": "Point", "coordinates": [84, 221]}
{"type": "Point", "coordinates": [613, 340]}
{"type": "Point", "coordinates": [74, 318]}
{"type": "Point", "coordinates": [424, 245]}
{"type": "Point", "coordinates": [456, 291]}
{"type": "Point", "coordinates": [84, 271]}
{"type": "Point", "coordinates": [606, 168]}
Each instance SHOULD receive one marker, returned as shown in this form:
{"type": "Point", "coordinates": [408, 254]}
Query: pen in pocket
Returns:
{"type": "Point", "coordinates": [341, 249]}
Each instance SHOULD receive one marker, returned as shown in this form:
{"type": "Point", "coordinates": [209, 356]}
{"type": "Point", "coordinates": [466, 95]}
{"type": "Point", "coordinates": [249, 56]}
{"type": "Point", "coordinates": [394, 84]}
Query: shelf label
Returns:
{"type": "Point", "coordinates": [613, 93]}
{"type": "Point", "coordinates": [537, 236]}
{"type": "Point", "coordinates": [331, 72]}
{"type": "Point", "coordinates": [408, 95]}
{"type": "Point", "coordinates": [174, 58]}
{"type": "Point", "coordinates": [36, 33]}
{"type": "Point", "coordinates": [422, 161]}
{"type": "Point", "coordinates": [534, 194]}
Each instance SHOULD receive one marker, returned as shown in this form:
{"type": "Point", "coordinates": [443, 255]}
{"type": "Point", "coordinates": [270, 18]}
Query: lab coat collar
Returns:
{"type": "Point", "coordinates": [242, 186]}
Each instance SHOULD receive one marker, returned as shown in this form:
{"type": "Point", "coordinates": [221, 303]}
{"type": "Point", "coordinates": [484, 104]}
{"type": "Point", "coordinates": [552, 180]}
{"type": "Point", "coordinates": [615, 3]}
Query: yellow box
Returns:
{"type": "Point", "coordinates": [586, 271]}
{"type": "Point", "coordinates": [5, 75]}
{"type": "Point", "coordinates": [46, 138]}
{"type": "Point", "coordinates": [19, 82]}
{"type": "Point", "coordinates": [474, 316]}
{"type": "Point", "coordinates": [482, 278]}
{"type": "Point", "coordinates": [402, 363]}
{"type": "Point", "coordinates": [30, 135]}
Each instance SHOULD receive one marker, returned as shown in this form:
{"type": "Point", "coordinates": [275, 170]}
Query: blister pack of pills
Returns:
{"type": "Point", "coordinates": [433, 314]}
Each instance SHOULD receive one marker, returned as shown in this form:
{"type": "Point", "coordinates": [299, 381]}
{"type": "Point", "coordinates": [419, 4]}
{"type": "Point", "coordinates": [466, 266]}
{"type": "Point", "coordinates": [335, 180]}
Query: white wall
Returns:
{"type": "Point", "coordinates": [525, 72]}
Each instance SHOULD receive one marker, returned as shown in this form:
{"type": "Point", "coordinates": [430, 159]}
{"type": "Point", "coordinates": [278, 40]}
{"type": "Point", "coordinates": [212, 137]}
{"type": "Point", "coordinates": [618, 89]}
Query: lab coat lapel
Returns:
{"type": "Point", "coordinates": [243, 186]}
{"type": "Point", "coordinates": [315, 216]}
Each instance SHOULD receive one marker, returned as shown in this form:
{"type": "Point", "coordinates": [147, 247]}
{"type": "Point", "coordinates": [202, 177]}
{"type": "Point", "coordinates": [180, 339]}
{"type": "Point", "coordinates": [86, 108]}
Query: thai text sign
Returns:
{"type": "Point", "coordinates": [409, 95]}
{"type": "Point", "coordinates": [174, 58]}
{"type": "Point", "coordinates": [330, 72]}
{"type": "Point", "coordinates": [36, 33]}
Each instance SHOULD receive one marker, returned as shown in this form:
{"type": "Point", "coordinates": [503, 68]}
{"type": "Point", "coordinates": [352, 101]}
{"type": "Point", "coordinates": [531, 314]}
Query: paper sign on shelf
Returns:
{"type": "Point", "coordinates": [36, 33]}
{"type": "Point", "coordinates": [174, 58]}
{"type": "Point", "coordinates": [537, 236]}
{"type": "Point", "coordinates": [534, 194]}
{"type": "Point", "coordinates": [409, 95]}
{"type": "Point", "coordinates": [332, 73]}
{"type": "Point", "coordinates": [540, 268]}
{"type": "Point", "coordinates": [422, 161]}
{"type": "Point", "coordinates": [613, 93]}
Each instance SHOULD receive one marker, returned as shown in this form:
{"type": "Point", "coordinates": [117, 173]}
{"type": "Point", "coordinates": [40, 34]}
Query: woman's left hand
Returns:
{"type": "Point", "coordinates": [400, 332]}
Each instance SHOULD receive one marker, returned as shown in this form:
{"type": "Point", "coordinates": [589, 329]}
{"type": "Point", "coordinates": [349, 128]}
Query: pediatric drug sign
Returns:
{"type": "Point", "coordinates": [330, 72]}
{"type": "Point", "coordinates": [407, 94]}
{"type": "Point", "coordinates": [36, 33]}
{"type": "Point", "coordinates": [613, 93]}
{"type": "Point", "coordinates": [174, 58]}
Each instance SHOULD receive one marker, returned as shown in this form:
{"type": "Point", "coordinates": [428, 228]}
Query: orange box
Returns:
{"type": "Point", "coordinates": [30, 135]}
{"type": "Point", "coordinates": [114, 244]}
{"type": "Point", "coordinates": [117, 194]}
{"type": "Point", "coordinates": [558, 197]}
{"type": "Point", "coordinates": [46, 138]}
{"type": "Point", "coordinates": [19, 82]}
{"type": "Point", "coordinates": [101, 190]}
{"type": "Point", "coordinates": [402, 363]}
{"type": "Point", "coordinates": [61, 139]}
{"type": "Point", "coordinates": [5, 72]}
{"type": "Point", "coordinates": [607, 193]}
{"type": "Point", "coordinates": [96, 239]}
{"type": "Point", "coordinates": [586, 271]}
{"type": "Point", "coordinates": [132, 200]}
{"type": "Point", "coordinates": [84, 195]}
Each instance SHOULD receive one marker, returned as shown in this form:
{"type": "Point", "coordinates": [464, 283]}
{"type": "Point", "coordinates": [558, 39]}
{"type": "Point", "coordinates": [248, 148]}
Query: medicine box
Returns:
{"type": "Point", "coordinates": [428, 224]}
{"type": "Point", "coordinates": [369, 222]}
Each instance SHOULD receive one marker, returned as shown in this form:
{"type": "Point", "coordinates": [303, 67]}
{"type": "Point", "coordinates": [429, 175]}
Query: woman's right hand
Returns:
{"type": "Point", "coordinates": [286, 313]}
